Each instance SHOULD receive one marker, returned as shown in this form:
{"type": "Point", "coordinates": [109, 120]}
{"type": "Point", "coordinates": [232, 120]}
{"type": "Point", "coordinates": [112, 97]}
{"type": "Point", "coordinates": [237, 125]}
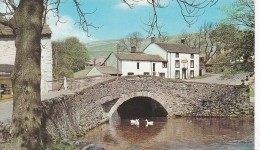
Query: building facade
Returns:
{"type": "Point", "coordinates": [8, 52]}
{"type": "Point", "coordinates": [182, 61]}
{"type": "Point", "coordinates": [137, 64]}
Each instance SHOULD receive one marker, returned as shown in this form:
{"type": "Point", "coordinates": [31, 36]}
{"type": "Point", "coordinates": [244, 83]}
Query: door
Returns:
{"type": "Point", "coordinates": [184, 73]}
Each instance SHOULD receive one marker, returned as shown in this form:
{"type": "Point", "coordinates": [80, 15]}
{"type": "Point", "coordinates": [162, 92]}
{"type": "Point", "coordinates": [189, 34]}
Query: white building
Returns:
{"type": "Point", "coordinates": [137, 64]}
{"type": "Point", "coordinates": [8, 52]}
{"type": "Point", "coordinates": [182, 61]}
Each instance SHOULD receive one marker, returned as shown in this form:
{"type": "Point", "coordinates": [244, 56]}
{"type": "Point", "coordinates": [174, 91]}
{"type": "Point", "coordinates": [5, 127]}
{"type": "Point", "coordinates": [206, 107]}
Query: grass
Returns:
{"type": "Point", "coordinates": [203, 76]}
{"type": "Point", "coordinates": [252, 93]}
{"type": "Point", "coordinates": [229, 72]}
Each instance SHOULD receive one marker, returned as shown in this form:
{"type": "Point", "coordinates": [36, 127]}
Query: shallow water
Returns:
{"type": "Point", "coordinates": [175, 133]}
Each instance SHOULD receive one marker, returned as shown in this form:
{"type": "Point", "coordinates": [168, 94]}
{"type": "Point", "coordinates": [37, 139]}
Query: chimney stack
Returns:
{"type": "Point", "coordinates": [183, 40]}
{"type": "Point", "coordinates": [153, 39]}
{"type": "Point", "coordinates": [133, 49]}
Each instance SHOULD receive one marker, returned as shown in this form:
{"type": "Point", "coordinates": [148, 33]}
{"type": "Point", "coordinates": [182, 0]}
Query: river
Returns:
{"type": "Point", "coordinates": [175, 133]}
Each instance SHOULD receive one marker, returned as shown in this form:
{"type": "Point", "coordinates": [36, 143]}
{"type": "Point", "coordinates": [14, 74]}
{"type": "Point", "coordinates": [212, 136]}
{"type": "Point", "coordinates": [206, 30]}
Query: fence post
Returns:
{"type": "Point", "coordinates": [65, 83]}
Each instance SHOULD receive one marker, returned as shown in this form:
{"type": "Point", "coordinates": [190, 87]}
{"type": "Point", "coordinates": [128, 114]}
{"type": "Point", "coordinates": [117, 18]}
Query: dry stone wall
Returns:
{"type": "Point", "coordinates": [95, 104]}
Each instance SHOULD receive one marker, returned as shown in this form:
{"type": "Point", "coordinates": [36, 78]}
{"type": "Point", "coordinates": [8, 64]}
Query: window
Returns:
{"type": "Point", "coordinates": [130, 73]}
{"type": "Point", "coordinates": [192, 63]}
{"type": "Point", "coordinates": [6, 89]}
{"type": "Point", "coordinates": [201, 59]}
{"type": "Point", "coordinates": [162, 75]}
{"type": "Point", "coordinates": [138, 65]}
{"type": "Point", "coordinates": [191, 55]}
{"type": "Point", "coordinates": [192, 74]}
{"type": "Point", "coordinates": [177, 74]}
{"type": "Point", "coordinates": [153, 66]}
{"type": "Point", "coordinates": [177, 55]}
{"type": "Point", "coordinates": [164, 64]}
{"type": "Point", "coordinates": [146, 73]}
{"type": "Point", "coordinates": [177, 63]}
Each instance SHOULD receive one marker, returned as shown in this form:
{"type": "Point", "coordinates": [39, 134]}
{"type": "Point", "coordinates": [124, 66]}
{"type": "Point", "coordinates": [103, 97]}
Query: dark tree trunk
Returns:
{"type": "Point", "coordinates": [27, 111]}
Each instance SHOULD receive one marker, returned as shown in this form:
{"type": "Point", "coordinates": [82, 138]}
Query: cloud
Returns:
{"type": "Point", "coordinates": [66, 28]}
{"type": "Point", "coordinates": [123, 5]}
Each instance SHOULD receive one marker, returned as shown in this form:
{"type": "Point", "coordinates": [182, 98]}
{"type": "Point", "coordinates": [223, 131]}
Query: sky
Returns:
{"type": "Point", "coordinates": [116, 20]}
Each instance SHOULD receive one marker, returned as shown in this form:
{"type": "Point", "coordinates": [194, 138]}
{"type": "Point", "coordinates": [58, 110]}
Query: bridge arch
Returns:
{"type": "Point", "coordinates": [161, 99]}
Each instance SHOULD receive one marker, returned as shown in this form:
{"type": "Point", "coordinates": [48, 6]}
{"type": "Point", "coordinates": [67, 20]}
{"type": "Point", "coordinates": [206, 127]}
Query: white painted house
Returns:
{"type": "Point", "coordinates": [182, 61]}
{"type": "Point", "coordinates": [137, 64]}
{"type": "Point", "coordinates": [8, 52]}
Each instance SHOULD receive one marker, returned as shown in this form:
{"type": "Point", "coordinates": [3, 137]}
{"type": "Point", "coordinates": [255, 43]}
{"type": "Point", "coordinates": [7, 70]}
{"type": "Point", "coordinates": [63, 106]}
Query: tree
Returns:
{"type": "Point", "coordinates": [244, 48]}
{"type": "Point", "coordinates": [242, 13]}
{"type": "Point", "coordinates": [203, 41]}
{"type": "Point", "coordinates": [132, 39]}
{"type": "Point", "coordinates": [69, 56]}
{"type": "Point", "coordinates": [26, 19]}
{"type": "Point", "coordinates": [163, 38]}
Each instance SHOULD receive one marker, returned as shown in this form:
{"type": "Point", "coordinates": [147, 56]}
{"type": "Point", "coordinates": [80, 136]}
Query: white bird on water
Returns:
{"type": "Point", "coordinates": [148, 123]}
{"type": "Point", "coordinates": [135, 122]}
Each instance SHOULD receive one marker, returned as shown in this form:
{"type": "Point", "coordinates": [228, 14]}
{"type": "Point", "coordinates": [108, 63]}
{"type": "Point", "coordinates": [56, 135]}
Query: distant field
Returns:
{"type": "Point", "coordinates": [104, 48]}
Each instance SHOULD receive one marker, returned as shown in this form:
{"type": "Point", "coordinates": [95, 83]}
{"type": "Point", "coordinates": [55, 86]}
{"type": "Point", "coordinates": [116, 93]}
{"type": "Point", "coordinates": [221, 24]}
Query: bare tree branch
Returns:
{"type": "Point", "coordinates": [83, 22]}
{"type": "Point", "coordinates": [190, 10]}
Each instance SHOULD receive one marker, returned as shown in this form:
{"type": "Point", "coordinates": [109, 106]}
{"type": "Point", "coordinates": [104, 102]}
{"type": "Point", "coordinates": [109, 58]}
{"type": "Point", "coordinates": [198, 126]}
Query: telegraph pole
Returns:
{"type": "Point", "coordinates": [117, 49]}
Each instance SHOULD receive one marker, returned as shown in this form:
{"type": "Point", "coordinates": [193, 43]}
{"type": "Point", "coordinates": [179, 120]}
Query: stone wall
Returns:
{"type": "Point", "coordinates": [88, 108]}
{"type": "Point", "coordinates": [75, 84]}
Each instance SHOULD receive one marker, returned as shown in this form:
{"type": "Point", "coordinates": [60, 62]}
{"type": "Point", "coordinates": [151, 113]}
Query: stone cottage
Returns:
{"type": "Point", "coordinates": [8, 52]}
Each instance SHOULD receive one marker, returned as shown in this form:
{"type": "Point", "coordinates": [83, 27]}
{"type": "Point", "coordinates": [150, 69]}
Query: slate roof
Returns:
{"type": "Point", "coordinates": [139, 57]}
{"type": "Point", "coordinates": [7, 31]}
{"type": "Point", "coordinates": [177, 48]}
{"type": "Point", "coordinates": [107, 70]}
{"type": "Point", "coordinates": [82, 73]}
{"type": "Point", "coordinates": [6, 68]}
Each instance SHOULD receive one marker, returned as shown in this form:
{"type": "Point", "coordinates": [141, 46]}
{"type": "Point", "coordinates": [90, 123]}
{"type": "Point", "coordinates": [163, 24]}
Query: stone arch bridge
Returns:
{"type": "Point", "coordinates": [94, 105]}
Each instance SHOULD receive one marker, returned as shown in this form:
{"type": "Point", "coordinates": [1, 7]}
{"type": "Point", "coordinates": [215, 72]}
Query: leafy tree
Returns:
{"type": "Point", "coordinates": [242, 13]}
{"type": "Point", "coordinates": [68, 56]}
{"type": "Point", "coordinates": [244, 51]}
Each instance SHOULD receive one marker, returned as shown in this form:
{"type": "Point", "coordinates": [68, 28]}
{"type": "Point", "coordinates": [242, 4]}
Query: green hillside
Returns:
{"type": "Point", "coordinates": [104, 48]}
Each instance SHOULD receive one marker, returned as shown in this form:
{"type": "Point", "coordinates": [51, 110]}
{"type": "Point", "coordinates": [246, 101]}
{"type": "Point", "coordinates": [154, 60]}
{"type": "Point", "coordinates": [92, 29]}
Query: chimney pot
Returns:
{"type": "Point", "coordinates": [133, 49]}
{"type": "Point", "coordinates": [153, 39]}
{"type": "Point", "coordinates": [183, 40]}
